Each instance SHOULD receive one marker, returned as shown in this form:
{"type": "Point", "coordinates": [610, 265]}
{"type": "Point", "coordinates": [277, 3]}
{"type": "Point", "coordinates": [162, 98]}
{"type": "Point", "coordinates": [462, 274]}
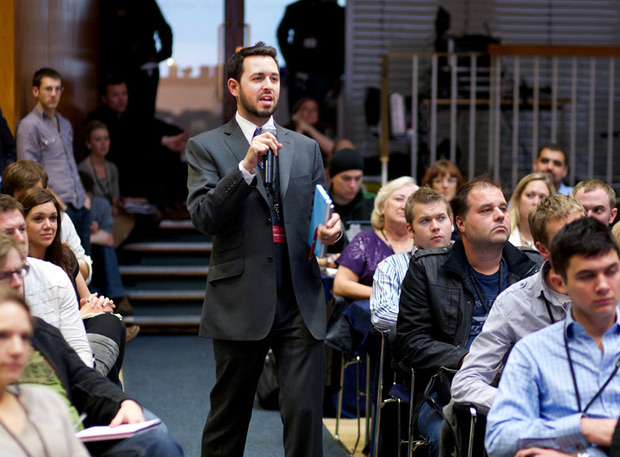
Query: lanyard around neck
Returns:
{"type": "Point", "coordinates": [574, 377]}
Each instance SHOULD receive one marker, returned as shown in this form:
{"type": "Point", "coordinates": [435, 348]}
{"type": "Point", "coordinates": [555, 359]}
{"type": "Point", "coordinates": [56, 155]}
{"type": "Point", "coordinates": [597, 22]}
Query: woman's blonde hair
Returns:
{"type": "Point", "coordinates": [515, 216]}
{"type": "Point", "coordinates": [377, 219]}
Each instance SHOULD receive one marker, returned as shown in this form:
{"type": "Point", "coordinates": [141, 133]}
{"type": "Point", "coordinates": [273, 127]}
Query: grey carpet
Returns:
{"type": "Point", "coordinates": [173, 375]}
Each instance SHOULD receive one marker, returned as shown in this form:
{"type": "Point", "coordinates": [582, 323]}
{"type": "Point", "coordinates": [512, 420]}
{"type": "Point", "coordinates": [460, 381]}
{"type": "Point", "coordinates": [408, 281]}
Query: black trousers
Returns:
{"type": "Point", "coordinates": [300, 368]}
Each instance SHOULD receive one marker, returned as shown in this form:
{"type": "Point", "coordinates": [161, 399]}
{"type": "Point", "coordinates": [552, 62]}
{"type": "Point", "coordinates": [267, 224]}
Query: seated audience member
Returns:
{"type": "Point", "coordinates": [552, 160]}
{"type": "Point", "coordinates": [106, 178]}
{"type": "Point", "coordinates": [448, 292]}
{"type": "Point", "coordinates": [445, 177]}
{"type": "Point", "coordinates": [35, 421]}
{"type": "Point", "coordinates": [8, 149]}
{"type": "Point", "coordinates": [529, 191]}
{"type": "Point", "coordinates": [46, 137]}
{"type": "Point", "coordinates": [146, 152]}
{"type": "Point", "coordinates": [350, 199]}
{"type": "Point", "coordinates": [358, 261]}
{"type": "Point", "coordinates": [107, 279]}
{"type": "Point", "coordinates": [305, 120]}
{"type": "Point", "coordinates": [598, 198]}
{"type": "Point", "coordinates": [103, 172]}
{"type": "Point", "coordinates": [521, 309]}
{"type": "Point", "coordinates": [103, 402]}
{"type": "Point", "coordinates": [105, 332]}
{"type": "Point", "coordinates": [616, 232]}
{"type": "Point", "coordinates": [47, 288]}
{"type": "Point", "coordinates": [429, 224]}
{"type": "Point", "coordinates": [560, 390]}
{"type": "Point", "coordinates": [22, 175]}
{"type": "Point", "coordinates": [342, 143]}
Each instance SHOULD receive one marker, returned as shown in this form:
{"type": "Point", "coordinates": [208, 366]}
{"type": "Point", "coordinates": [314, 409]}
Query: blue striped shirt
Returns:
{"type": "Point", "coordinates": [385, 294]}
{"type": "Point", "coordinates": [536, 403]}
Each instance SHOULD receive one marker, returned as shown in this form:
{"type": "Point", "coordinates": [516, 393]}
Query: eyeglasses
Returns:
{"type": "Point", "coordinates": [6, 276]}
{"type": "Point", "coordinates": [50, 89]}
{"type": "Point", "coordinates": [441, 180]}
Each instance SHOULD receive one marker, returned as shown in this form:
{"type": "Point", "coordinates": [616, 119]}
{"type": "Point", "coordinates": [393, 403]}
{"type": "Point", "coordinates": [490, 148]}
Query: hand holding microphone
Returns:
{"type": "Point", "coordinates": [269, 161]}
{"type": "Point", "coordinates": [261, 148]}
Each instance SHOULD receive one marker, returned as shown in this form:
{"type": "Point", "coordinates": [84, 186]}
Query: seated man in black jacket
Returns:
{"type": "Point", "coordinates": [448, 292]}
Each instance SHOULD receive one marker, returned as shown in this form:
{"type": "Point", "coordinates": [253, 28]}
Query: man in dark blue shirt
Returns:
{"type": "Point", "coordinates": [448, 291]}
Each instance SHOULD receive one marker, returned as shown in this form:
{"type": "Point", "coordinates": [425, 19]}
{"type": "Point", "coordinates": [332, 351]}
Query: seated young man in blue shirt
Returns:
{"type": "Point", "coordinates": [560, 391]}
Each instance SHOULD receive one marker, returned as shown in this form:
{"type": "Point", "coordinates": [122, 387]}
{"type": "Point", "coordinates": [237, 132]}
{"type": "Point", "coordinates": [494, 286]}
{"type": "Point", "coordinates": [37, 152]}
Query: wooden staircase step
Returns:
{"type": "Point", "coordinates": [167, 324]}
{"type": "Point", "coordinates": [168, 224]}
{"type": "Point", "coordinates": [165, 295]}
{"type": "Point", "coordinates": [192, 247]}
{"type": "Point", "coordinates": [167, 270]}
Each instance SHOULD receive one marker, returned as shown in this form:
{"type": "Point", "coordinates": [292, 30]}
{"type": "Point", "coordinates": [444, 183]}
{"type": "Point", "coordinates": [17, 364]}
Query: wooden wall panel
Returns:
{"type": "Point", "coordinates": [64, 35]}
{"type": "Point", "coordinates": [7, 59]}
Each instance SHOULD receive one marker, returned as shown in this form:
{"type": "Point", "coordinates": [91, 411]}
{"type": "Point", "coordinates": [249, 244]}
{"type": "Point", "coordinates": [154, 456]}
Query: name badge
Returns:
{"type": "Point", "coordinates": [279, 235]}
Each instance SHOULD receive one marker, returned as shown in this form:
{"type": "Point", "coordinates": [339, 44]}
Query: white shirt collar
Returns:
{"type": "Point", "coordinates": [248, 127]}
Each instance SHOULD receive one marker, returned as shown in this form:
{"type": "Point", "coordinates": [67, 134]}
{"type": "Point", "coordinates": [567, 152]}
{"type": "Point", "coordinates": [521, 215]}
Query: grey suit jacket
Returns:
{"type": "Point", "coordinates": [240, 297]}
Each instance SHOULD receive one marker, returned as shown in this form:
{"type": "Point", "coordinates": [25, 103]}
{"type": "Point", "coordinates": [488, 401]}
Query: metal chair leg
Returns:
{"type": "Point", "coordinates": [343, 366]}
{"type": "Point", "coordinates": [472, 425]}
{"type": "Point", "coordinates": [379, 402]}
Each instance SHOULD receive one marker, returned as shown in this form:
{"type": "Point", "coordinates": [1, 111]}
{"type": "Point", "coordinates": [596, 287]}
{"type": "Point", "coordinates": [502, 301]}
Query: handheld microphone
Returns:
{"type": "Point", "coordinates": [269, 161]}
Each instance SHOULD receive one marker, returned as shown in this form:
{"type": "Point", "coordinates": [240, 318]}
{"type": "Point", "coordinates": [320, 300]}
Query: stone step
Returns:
{"type": "Point", "coordinates": [167, 271]}
{"type": "Point", "coordinates": [167, 324]}
{"type": "Point", "coordinates": [165, 295]}
{"type": "Point", "coordinates": [168, 224]}
{"type": "Point", "coordinates": [190, 247]}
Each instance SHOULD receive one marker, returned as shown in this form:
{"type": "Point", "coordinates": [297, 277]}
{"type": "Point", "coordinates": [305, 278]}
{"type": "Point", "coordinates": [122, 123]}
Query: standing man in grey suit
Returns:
{"type": "Point", "coordinates": [264, 290]}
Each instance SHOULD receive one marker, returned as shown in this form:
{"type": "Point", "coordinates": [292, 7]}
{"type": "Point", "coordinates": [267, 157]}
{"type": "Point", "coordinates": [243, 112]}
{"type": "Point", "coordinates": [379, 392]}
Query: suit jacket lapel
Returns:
{"type": "Point", "coordinates": [238, 144]}
{"type": "Point", "coordinates": [285, 159]}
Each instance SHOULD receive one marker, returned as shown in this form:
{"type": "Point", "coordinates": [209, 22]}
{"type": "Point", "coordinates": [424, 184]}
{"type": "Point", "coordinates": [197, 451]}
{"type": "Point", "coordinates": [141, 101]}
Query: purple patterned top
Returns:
{"type": "Point", "coordinates": [363, 255]}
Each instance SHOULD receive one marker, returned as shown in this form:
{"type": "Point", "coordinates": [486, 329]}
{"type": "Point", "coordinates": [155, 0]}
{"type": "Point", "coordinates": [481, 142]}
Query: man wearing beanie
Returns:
{"type": "Point", "coordinates": [350, 200]}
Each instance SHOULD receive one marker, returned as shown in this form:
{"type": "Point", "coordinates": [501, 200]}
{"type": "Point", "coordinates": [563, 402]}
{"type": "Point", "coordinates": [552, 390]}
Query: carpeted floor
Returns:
{"type": "Point", "coordinates": [173, 375]}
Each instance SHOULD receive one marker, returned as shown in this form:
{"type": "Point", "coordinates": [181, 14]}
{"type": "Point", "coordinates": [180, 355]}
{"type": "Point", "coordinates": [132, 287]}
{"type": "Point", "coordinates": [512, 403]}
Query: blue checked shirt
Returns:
{"type": "Point", "coordinates": [536, 403]}
{"type": "Point", "coordinates": [38, 139]}
{"type": "Point", "coordinates": [385, 294]}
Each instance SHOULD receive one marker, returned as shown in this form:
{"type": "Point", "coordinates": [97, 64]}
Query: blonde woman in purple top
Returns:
{"type": "Point", "coordinates": [358, 261]}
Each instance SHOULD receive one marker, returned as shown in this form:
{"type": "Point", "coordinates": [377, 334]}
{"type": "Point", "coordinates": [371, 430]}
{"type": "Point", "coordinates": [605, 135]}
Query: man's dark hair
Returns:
{"type": "Point", "coordinates": [587, 237]}
{"type": "Point", "coordinates": [234, 68]}
{"type": "Point", "coordinates": [460, 203]}
{"type": "Point", "coordinates": [8, 203]}
{"type": "Point", "coordinates": [44, 73]}
{"type": "Point", "coordinates": [111, 80]}
{"type": "Point", "coordinates": [23, 175]}
{"type": "Point", "coordinates": [553, 147]}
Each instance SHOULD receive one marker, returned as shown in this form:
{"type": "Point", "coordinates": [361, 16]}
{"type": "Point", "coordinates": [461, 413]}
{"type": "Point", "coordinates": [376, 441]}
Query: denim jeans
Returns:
{"type": "Point", "coordinates": [429, 425]}
{"type": "Point", "coordinates": [106, 274]}
{"type": "Point", "coordinates": [81, 219]}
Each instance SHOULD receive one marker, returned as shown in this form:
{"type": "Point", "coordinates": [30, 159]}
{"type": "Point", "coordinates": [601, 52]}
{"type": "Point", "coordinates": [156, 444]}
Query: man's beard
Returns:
{"type": "Point", "coordinates": [253, 109]}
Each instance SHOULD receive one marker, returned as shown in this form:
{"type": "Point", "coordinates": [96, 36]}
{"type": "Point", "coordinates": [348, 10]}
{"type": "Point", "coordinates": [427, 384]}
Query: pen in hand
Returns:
{"type": "Point", "coordinates": [80, 420]}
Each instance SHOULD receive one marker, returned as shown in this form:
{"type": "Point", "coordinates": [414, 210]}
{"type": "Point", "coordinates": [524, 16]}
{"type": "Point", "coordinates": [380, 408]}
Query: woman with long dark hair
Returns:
{"type": "Point", "coordinates": [105, 332]}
